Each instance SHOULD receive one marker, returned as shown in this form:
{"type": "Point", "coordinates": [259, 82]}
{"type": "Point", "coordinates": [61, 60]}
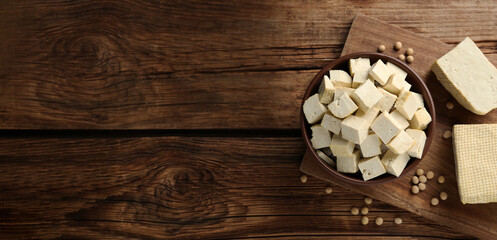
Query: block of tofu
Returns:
{"type": "Point", "coordinates": [407, 104]}
{"type": "Point", "coordinates": [420, 99]}
{"type": "Point", "coordinates": [476, 162]}
{"type": "Point", "coordinates": [371, 168]}
{"type": "Point", "coordinates": [397, 70]}
{"type": "Point", "coordinates": [395, 84]}
{"type": "Point", "coordinates": [386, 127]}
{"type": "Point", "coordinates": [340, 90]}
{"type": "Point", "coordinates": [340, 78]}
{"type": "Point", "coordinates": [355, 129]}
{"type": "Point", "coordinates": [369, 115]}
{"type": "Point", "coordinates": [420, 120]}
{"type": "Point", "coordinates": [401, 143]}
{"type": "Point", "coordinates": [341, 147]}
{"type": "Point", "coordinates": [366, 95]}
{"type": "Point", "coordinates": [401, 120]}
{"type": "Point", "coordinates": [326, 90]}
{"type": "Point", "coordinates": [407, 86]}
{"type": "Point", "coordinates": [380, 72]}
{"type": "Point", "coordinates": [386, 103]}
{"type": "Point", "coordinates": [348, 164]}
{"type": "Point", "coordinates": [395, 163]}
{"type": "Point", "coordinates": [343, 106]}
{"type": "Point", "coordinates": [371, 146]}
{"type": "Point", "coordinates": [419, 138]}
{"type": "Point", "coordinates": [360, 78]}
{"type": "Point", "coordinates": [359, 65]}
{"type": "Point", "coordinates": [331, 123]}
{"type": "Point", "coordinates": [325, 158]}
{"type": "Point", "coordinates": [468, 75]}
{"type": "Point", "coordinates": [321, 137]}
{"type": "Point", "coordinates": [313, 109]}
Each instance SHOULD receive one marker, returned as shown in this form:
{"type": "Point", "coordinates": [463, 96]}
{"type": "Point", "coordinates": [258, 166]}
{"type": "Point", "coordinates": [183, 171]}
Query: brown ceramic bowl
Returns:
{"type": "Point", "coordinates": [417, 86]}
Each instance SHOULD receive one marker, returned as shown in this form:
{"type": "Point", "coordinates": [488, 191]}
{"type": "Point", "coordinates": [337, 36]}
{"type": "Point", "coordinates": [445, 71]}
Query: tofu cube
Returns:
{"type": "Point", "coordinates": [371, 168]}
{"type": "Point", "coordinates": [395, 84]}
{"type": "Point", "coordinates": [395, 163]}
{"type": "Point", "coordinates": [419, 138]}
{"type": "Point", "coordinates": [359, 65]}
{"type": "Point", "coordinates": [407, 86]}
{"type": "Point", "coordinates": [386, 103]}
{"type": "Point", "coordinates": [313, 109]}
{"type": "Point", "coordinates": [401, 120]}
{"type": "Point", "coordinates": [369, 115]}
{"type": "Point", "coordinates": [360, 78]}
{"type": "Point", "coordinates": [385, 127]}
{"type": "Point", "coordinates": [407, 104]}
{"type": "Point", "coordinates": [397, 70]}
{"type": "Point", "coordinates": [341, 147]}
{"type": "Point", "coordinates": [321, 137]}
{"type": "Point", "coordinates": [366, 95]}
{"type": "Point", "coordinates": [326, 90]}
{"type": "Point", "coordinates": [371, 146]}
{"type": "Point", "coordinates": [331, 123]}
{"type": "Point", "coordinates": [420, 99]}
{"type": "Point", "coordinates": [343, 106]}
{"type": "Point", "coordinates": [355, 129]}
{"type": "Point", "coordinates": [380, 72]}
{"type": "Point", "coordinates": [340, 78]}
{"type": "Point", "coordinates": [340, 90]}
{"type": "Point", "coordinates": [421, 119]}
{"type": "Point", "coordinates": [401, 143]}
{"type": "Point", "coordinates": [348, 164]}
{"type": "Point", "coordinates": [326, 158]}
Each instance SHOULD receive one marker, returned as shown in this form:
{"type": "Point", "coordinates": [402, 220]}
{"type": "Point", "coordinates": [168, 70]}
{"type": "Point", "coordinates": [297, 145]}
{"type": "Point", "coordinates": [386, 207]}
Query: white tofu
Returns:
{"type": "Point", "coordinates": [326, 90]}
{"type": "Point", "coordinates": [395, 84]}
{"type": "Point", "coordinates": [401, 120]}
{"type": "Point", "coordinates": [360, 78]}
{"type": "Point", "coordinates": [420, 99]}
{"type": "Point", "coordinates": [369, 115]}
{"type": "Point", "coordinates": [326, 158]}
{"type": "Point", "coordinates": [371, 146]}
{"type": "Point", "coordinates": [366, 95]}
{"type": "Point", "coordinates": [355, 129]}
{"type": "Point", "coordinates": [386, 103]}
{"type": "Point", "coordinates": [407, 104]}
{"type": "Point", "coordinates": [340, 78]}
{"type": "Point", "coordinates": [421, 119]}
{"type": "Point", "coordinates": [331, 123]}
{"type": "Point", "coordinates": [359, 65]}
{"type": "Point", "coordinates": [380, 72]}
{"type": "Point", "coordinates": [401, 143]}
{"type": "Point", "coordinates": [343, 106]}
{"type": "Point", "coordinates": [419, 138]}
{"type": "Point", "coordinates": [371, 168]}
{"type": "Point", "coordinates": [341, 147]}
{"type": "Point", "coordinates": [386, 127]}
{"type": "Point", "coordinates": [348, 164]}
{"type": "Point", "coordinates": [321, 137]}
{"type": "Point", "coordinates": [313, 109]}
{"type": "Point", "coordinates": [397, 70]}
{"type": "Point", "coordinates": [395, 163]}
{"type": "Point", "coordinates": [340, 90]}
{"type": "Point", "coordinates": [407, 86]}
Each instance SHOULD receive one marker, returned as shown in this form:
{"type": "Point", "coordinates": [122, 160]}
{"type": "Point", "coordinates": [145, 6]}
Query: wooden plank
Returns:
{"type": "Point", "coordinates": [190, 64]}
{"type": "Point", "coordinates": [180, 188]}
{"type": "Point", "coordinates": [480, 219]}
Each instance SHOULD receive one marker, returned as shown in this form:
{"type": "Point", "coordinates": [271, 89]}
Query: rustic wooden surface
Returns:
{"type": "Point", "coordinates": [477, 219]}
{"type": "Point", "coordinates": [218, 82]}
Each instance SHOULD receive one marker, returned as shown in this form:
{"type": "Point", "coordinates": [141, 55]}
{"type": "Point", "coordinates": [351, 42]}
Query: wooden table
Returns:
{"type": "Point", "coordinates": [179, 119]}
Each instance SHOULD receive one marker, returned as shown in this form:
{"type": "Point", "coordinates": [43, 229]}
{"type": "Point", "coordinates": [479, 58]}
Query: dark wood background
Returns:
{"type": "Point", "coordinates": [179, 119]}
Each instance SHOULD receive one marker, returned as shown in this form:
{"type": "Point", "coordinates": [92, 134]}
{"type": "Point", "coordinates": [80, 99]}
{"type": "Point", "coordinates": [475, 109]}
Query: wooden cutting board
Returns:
{"type": "Point", "coordinates": [478, 220]}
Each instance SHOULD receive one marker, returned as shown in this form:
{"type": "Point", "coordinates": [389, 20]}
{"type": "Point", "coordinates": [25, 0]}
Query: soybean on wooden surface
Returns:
{"type": "Point", "coordinates": [479, 220]}
{"type": "Point", "coordinates": [179, 188]}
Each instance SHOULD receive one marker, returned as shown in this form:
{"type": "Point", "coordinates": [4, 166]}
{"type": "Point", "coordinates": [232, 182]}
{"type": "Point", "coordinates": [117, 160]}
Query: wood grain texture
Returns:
{"type": "Point", "coordinates": [180, 188]}
{"type": "Point", "coordinates": [190, 64]}
{"type": "Point", "coordinates": [479, 220]}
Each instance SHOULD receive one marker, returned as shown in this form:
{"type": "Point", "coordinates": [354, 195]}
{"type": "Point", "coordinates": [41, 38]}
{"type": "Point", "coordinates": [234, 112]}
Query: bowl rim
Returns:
{"type": "Point", "coordinates": [425, 92]}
